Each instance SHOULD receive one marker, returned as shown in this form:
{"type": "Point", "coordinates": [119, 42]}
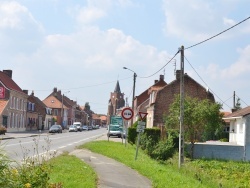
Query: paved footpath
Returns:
{"type": "Point", "coordinates": [112, 174]}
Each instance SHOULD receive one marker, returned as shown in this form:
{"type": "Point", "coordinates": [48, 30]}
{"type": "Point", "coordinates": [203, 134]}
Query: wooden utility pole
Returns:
{"type": "Point", "coordinates": [181, 134]}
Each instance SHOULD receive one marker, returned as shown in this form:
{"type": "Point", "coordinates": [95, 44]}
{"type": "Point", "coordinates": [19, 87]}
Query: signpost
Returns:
{"type": "Point", "coordinates": [140, 129]}
{"type": "Point", "coordinates": [127, 114]}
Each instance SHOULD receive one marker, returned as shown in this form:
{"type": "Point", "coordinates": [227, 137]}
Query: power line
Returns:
{"type": "Point", "coordinates": [218, 33]}
{"type": "Point", "coordinates": [160, 68]}
{"type": "Point", "coordinates": [206, 84]}
{"type": "Point", "coordinates": [105, 83]}
{"type": "Point", "coordinates": [242, 100]}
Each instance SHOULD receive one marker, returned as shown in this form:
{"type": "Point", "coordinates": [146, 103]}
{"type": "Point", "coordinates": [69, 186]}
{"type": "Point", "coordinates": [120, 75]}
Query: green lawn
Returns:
{"type": "Point", "coordinates": [196, 173]}
{"type": "Point", "coordinates": [72, 172]}
{"type": "Point", "coordinates": [161, 175]}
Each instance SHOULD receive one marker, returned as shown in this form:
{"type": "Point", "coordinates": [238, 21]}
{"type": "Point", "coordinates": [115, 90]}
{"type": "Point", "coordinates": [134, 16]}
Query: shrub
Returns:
{"type": "Point", "coordinates": [3, 130]}
{"type": "Point", "coordinates": [132, 134]}
{"type": "Point", "coordinates": [163, 150]}
{"type": "Point", "coordinates": [32, 172]}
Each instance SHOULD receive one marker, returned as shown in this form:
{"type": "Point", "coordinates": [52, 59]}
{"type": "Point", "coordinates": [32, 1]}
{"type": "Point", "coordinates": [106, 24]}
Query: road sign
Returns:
{"type": "Point", "coordinates": [127, 113]}
{"type": "Point", "coordinates": [116, 120]}
{"type": "Point", "coordinates": [143, 115]}
{"type": "Point", "coordinates": [141, 126]}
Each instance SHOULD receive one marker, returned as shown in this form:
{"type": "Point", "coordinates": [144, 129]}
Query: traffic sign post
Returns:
{"type": "Point", "coordinates": [127, 113]}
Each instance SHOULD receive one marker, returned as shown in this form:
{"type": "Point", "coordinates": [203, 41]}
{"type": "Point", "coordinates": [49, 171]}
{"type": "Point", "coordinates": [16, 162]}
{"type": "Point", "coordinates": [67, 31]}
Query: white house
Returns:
{"type": "Point", "coordinates": [239, 131]}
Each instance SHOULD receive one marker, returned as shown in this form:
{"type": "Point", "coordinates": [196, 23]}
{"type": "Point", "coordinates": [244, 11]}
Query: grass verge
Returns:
{"type": "Point", "coordinates": [72, 172]}
{"type": "Point", "coordinates": [161, 175]}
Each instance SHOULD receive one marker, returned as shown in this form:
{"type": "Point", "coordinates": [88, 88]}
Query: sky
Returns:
{"type": "Point", "coordinates": [81, 46]}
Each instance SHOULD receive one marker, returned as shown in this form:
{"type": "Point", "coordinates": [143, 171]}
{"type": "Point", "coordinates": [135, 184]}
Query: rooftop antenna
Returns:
{"type": "Point", "coordinates": [174, 64]}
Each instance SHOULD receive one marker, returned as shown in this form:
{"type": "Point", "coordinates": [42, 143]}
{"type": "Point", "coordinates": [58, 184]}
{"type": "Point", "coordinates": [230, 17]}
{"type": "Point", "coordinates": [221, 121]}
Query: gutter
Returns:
{"type": "Point", "coordinates": [232, 118]}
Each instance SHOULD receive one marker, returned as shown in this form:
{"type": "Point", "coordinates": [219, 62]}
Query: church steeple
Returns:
{"type": "Point", "coordinates": [117, 87]}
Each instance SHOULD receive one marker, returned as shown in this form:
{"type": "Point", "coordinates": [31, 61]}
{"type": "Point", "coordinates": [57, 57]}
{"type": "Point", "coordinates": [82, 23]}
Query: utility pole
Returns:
{"type": "Point", "coordinates": [181, 134]}
{"type": "Point", "coordinates": [133, 98]}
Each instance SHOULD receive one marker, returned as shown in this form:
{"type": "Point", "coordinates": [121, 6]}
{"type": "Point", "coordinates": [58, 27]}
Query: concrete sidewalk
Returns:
{"type": "Point", "coordinates": [112, 174]}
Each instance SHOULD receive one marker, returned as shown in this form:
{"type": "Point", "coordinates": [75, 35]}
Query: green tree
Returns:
{"type": "Point", "coordinates": [202, 119]}
{"type": "Point", "coordinates": [238, 104]}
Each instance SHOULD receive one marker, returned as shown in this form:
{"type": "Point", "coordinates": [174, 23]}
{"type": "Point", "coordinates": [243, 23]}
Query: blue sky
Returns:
{"type": "Point", "coordinates": [82, 46]}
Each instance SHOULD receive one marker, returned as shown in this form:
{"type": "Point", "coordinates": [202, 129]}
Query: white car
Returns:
{"type": "Point", "coordinates": [78, 125]}
{"type": "Point", "coordinates": [73, 128]}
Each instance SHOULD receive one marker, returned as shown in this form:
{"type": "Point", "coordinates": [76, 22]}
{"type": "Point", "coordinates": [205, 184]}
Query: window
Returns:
{"type": "Point", "coordinates": [56, 112]}
{"type": "Point", "coordinates": [17, 104]}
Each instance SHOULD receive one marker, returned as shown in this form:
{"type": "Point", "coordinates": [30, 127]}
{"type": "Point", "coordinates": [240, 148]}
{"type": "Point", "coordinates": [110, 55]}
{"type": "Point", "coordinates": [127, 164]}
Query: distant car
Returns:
{"type": "Point", "coordinates": [73, 128]}
{"type": "Point", "coordinates": [85, 127]}
{"type": "Point", "coordinates": [78, 125]}
{"type": "Point", "coordinates": [55, 129]}
{"type": "Point", "coordinates": [90, 127]}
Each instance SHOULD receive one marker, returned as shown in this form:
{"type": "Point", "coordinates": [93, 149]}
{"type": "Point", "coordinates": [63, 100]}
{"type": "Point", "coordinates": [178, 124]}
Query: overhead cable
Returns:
{"type": "Point", "coordinates": [206, 84]}
{"type": "Point", "coordinates": [218, 33]}
{"type": "Point", "coordinates": [161, 68]}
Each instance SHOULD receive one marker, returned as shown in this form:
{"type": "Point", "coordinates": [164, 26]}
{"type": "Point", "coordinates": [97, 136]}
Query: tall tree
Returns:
{"type": "Point", "coordinates": [202, 119]}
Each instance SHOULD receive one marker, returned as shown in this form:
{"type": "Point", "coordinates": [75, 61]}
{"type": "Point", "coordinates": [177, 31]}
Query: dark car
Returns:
{"type": "Point", "coordinates": [55, 129]}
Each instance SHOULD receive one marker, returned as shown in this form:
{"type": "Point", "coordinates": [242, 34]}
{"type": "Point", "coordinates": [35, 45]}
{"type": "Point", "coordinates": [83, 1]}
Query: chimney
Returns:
{"type": "Point", "coordinates": [178, 74]}
{"type": "Point", "coordinates": [156, 81]}
{"type": "Point", "coordinates": [25, 91]}
{"type": "Point", "coordinates": [8, 72]}
{"type": "Point", "coordinates": [32, 93]}
{"type": "Point", "coordinates": [55, 90]}
{"type": "Point", "coordinates": [161, 77]}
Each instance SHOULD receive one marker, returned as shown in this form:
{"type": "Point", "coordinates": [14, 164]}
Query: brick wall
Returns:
{"type": "Point", "coordinates": [166, 95]}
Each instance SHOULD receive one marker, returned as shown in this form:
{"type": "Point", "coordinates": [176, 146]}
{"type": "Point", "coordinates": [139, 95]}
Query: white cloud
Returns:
{"type": "Point", "coordinates": [228, 22]}
{"type": "Point", "coordinates": [240, 67]}
{"type": "Point", "coordinates": [197, 20]}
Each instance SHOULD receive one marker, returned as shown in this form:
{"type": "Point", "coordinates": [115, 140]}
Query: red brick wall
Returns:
{"type": "Point", "coordinates": [165, 96]}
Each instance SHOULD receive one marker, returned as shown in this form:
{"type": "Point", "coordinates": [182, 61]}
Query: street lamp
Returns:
{"type": "Point", "coordinates": [133, 91]}
{"type": "Point", "coordinates": [62, 110]}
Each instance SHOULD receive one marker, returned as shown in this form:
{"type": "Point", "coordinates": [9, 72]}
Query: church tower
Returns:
{"type": "Point", "coordinates": [116, 101]}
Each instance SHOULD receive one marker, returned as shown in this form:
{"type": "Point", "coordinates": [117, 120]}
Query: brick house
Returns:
{"type": "Point", "coordinates": [63, 109]}
{"type": "Point", "coordinates": [141, 101]}
{"type": "Point", "coordinates": [161, 98]}
{"type": "Point", "coordinates": [13, 102]}
{"type": "Point", "coordinates": [44, 114]}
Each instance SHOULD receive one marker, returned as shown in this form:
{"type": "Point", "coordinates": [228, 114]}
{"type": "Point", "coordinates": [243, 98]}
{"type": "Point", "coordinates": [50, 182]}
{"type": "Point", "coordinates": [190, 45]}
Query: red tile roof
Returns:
{"type": "Point", "coordinates": [2, 105]}
{"type": "Point", "coordinates": [241, 112]}
{"type": "Point", "coordinates": [8, 82]}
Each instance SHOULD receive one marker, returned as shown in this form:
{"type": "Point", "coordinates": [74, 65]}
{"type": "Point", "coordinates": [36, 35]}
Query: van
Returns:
{"type": "Point", "coordinates": [114, 130]}
{"type": "Point", "coordinates": [78, 125]}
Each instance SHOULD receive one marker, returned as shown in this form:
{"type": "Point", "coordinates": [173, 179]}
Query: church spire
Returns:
{"type": "Point", "coordinates": [117, 87]}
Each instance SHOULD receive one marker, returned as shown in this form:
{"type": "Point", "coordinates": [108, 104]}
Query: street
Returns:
{"type": "Point", "coordinates": [20, 148]}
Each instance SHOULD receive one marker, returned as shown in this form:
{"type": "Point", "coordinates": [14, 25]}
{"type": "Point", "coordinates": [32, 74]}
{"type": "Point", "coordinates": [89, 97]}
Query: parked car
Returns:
{"type": "Point", "coordinates": [90, 127]}
{"type": "Point", "coordinates": [85, 127]}
{"type": "Point", "coordinates": [78, 125]}
{"type": "Point", "coordinates": [55, 129]}
{"type": "Point", "coordinates": [114, 130]}
{"type": "Point", "coordinates": [73, 128]}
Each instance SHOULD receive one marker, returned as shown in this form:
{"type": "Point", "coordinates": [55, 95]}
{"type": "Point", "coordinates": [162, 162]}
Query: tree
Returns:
{"type": "Point", "coordinates": [238, 104]}
{"type": "Point", "coordinates": [202, 119]}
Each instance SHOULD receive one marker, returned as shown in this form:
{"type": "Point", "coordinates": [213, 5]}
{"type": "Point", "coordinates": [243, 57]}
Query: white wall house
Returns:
{"type": "Point", "coordinates": [239, 131]}
{"type": "Point", "coordinates": [238, 147]}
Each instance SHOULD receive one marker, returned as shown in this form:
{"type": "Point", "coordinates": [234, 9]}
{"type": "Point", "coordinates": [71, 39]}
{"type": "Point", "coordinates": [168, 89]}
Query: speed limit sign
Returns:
{"type": "Point", "coordinates": [127, 113]}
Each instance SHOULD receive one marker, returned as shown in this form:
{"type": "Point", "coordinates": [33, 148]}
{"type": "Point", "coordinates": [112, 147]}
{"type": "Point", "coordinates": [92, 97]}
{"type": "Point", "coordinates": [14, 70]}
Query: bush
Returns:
{"type": "Point", "coordinates": [163, 150]}
{"type": "Point", "coordinates": [3, 130]}
{"type": "Point", "coordinates": [132, 134]}
{"type": "Point", "coordinates": [154, 147]}
{"type": "Point", "coordinates": [32, 172]}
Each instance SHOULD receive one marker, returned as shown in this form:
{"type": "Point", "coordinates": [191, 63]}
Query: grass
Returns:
{"type": "Point", "coordinates": [72, 172]}
{"type": "Point", "coordinates": [161, 175]}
